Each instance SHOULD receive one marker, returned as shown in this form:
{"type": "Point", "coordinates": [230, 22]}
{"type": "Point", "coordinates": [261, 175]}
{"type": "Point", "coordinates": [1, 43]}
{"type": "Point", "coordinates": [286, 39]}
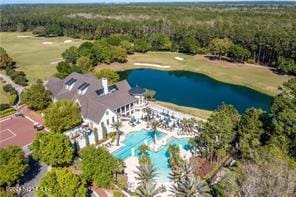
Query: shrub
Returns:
{"type": "Point", "coordinates": [13, 165]}
{"type": "Point", "coordinates": [21, 80]}
{"type": "Point", "coordinates": [118, 194]}
{"type": "Point", "coordinates": [108, 73]}
{"type": "Point", "coordinates": [98, 165]}
{"type": "Point", "coordinates": [54, 149]}
{"type": "Point", "coordinates": [142, 46]}
{"type": "Point", "coordinates": [6, 112]}
{"type": "Point", "coordinates": [62, 115]}
{"type": "Point", "coordinates": [144, 160]}
{"type": "Point", "coordinates": [62, 182]}
{"type": "Point", "coordinates": [36, 96]}
{"type": "Point", "coordinates": [121, 181]}
{"type": "Point", "coordinates": [112, 135]}
{"type": "Point", "coordinates": [9, 88]}
{"type": "Point", "coordinates": [4, 106]}
{"type": "Point", "coordinates": [13, 98]}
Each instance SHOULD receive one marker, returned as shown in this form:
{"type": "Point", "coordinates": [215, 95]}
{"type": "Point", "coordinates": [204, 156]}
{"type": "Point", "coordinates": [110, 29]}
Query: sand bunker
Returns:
{"type": "Point", "coordinates": [67, 41]}
{"type": "Point", "coordinates": [46, 42]}
{"type": "Point", "coordinates": [24, 36]}
{"type": "Point", "coordinates": [152, 65]}
{"type": "Point", "coordinates": [179, 58]}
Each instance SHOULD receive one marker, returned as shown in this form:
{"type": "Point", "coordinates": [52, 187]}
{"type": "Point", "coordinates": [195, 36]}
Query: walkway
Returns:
{"type": "Point", "coordinates": [177, 114]}
{"type": "Point", "coordinates": [32, 177]}
{"type": "Point", "coordinates": [17, 87]}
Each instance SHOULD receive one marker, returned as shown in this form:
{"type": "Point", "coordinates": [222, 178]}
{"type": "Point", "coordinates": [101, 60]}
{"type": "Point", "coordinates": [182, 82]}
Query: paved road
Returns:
{"type": "Point", "coordinates": [17, 87]}
{"type": "Point", "coordinates": [32, 178]}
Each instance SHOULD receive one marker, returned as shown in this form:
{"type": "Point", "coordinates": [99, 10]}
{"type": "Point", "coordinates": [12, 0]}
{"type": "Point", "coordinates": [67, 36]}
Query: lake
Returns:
{"type": "Point", "coordinates": [195, 90]}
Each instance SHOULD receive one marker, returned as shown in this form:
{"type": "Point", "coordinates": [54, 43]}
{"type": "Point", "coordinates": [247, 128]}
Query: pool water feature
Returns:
{"type": "Point", "coordinates": [134, 140]}
{"type": "Point", "coordinates": [159, 158]}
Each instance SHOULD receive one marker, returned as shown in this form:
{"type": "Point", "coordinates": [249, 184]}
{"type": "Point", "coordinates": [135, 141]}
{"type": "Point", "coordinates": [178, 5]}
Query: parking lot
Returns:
{"type": "Point", "coordinates": [19, 130]}
{"type": "Point", "coordinates": [16, 131]}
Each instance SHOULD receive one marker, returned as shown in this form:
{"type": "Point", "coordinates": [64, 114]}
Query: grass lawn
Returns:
{"type": "Point", "coordinates": [32, 56]}
{"type": "Point", "coordinates": [201, 113]}
{"type": "Point", "coordinates": [4, 96]}
{"type": "Point", "coordinates": [39, 60]}
{"type": "Point", "coordinates": [256, 77]}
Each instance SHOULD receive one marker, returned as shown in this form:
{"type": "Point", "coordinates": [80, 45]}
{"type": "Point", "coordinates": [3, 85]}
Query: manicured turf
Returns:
{"type": "Point", "coordinates": [256, 77]}
{"type": "Point", "coordinates": [201, 113]}
{"type": "Point", "coordinates": [32, 56]}
{"type": "Point", "coordinates": [4, 96]}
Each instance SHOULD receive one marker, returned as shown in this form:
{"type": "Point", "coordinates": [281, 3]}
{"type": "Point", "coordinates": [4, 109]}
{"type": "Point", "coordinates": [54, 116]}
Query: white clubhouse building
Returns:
{"type": "Point", "coordinates": [101, 104]}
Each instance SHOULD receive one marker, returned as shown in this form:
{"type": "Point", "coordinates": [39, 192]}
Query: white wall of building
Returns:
{"type": "Point", "coordinates": [108, 119]}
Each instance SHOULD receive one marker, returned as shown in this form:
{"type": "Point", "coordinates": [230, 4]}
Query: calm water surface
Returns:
{"type": "Point", "coordinates": [195, 90]}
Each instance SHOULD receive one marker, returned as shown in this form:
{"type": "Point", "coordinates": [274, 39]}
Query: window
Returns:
{"type": "Point", "coordinates": [83, 86]}
{"type": "Point", "coordinates": [70, 82]}
{"type": "Point", "coordinates": [107, 113]}
{"type": "Point", "coordinates": [118, 110]}
{"type": "Point", "coordinates": [108, 122]}
{"type": "Point", "coordinates": [113, 120]}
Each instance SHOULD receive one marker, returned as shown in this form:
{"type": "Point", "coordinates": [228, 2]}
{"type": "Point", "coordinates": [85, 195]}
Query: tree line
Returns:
{"type": "Point", "coordinates": [7, 64]}
{"type": "Point", "coordinates": [253, 138]}
{"type": "Point", "coordinates": [258, 140]}
{"type": "Point", "coordinates": [265, 35]}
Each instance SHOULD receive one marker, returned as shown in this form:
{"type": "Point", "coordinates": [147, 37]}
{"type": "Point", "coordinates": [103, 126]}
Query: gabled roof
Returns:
{"type": "Point", "coordinates": [137, 91]}
{"type": "Point", "coordinates": [93, 105]}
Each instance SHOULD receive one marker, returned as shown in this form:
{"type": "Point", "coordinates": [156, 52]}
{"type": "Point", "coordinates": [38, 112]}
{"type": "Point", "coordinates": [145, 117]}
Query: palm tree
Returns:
{"type": "Point", "coordinates": [154, 125]}
{"type": "Point", "coordinates": [191, 187]}
{"type": "Point", "coordinates": [184, 122]}
{"type": "Point", "coordinates": [183, 172]}
{"type": "Point", "coordinates": [120, 165]}
{"type": "Point", "coordinates": [116, 125]}
{"type": "Point", "coordinates": [148, 190]}
{"type": "Point", "coordinates": [191, 123]}
{"type": "Point", "coordinates": [175, 158]}
{"type": "Point", "coordinates": [148, 111]}
{"type": "Point", "coordinates": [187, 170]}
{"type": "Point", "coordinates": [143, 149]}
{"type": "Point", "coordinates": [146, 173]}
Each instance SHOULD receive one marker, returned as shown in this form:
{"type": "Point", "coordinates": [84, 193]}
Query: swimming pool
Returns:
{"type": "Point", "coordinates": [159, 159]}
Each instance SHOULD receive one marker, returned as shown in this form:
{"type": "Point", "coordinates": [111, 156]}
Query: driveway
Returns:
{"type": "Point", "coordinates": [32, 178]}
{"type": "Point", "coordinates": [17, 87]}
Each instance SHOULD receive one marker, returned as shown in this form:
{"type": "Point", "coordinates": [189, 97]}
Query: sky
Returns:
{"type": "Point", "coordinates": [113, 1]}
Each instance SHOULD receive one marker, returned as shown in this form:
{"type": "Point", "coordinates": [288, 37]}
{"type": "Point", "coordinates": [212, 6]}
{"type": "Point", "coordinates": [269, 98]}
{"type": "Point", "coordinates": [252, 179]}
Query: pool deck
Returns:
{"type": "Point", "coordinates": [132, 162]}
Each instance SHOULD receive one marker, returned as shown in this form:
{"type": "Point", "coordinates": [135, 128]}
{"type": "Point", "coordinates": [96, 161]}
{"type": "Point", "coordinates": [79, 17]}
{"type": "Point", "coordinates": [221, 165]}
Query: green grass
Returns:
{"type": "Point", "coordinates": [201, 113]}
{"type": "Point", "coordinates": [257, 77]}
{"type": "Point", "coordinates": [32, 56]}
{"type": "Point", "coordinates": [7, 112]}
{"type": "Point", "coordinates": [4, 96]}
{"type": "Point", "coordinates": [36, 59]}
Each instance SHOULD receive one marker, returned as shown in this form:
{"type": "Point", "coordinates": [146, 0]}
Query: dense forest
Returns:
{"type": "Point", "coordinates": [265, 34]}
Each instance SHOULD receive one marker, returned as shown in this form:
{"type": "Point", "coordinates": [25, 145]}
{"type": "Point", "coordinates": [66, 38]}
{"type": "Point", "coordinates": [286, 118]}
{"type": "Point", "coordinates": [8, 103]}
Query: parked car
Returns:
{"type": "Point", "coordinates": [19, 114]}
{"type": "Point", "coordinates": [38, 127]}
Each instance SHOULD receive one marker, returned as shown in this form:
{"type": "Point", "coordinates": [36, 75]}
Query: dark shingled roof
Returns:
{"type": "Point", "coordinates": [93, 106]}
{"type": "Point", "coordinates": [137, 91]}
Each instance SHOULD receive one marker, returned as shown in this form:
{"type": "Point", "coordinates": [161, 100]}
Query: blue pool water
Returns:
{"type": "Point", "coordinates": [159, 159]}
